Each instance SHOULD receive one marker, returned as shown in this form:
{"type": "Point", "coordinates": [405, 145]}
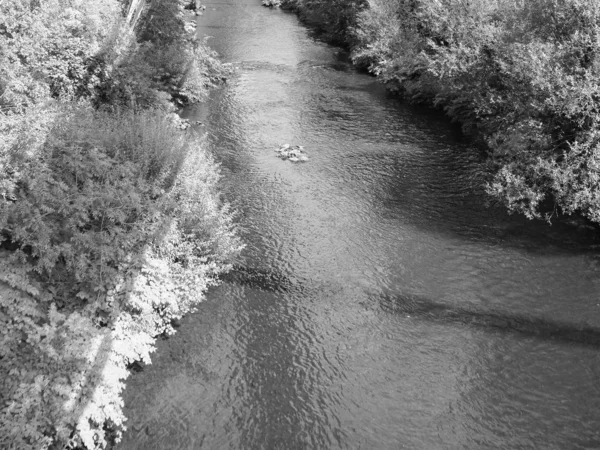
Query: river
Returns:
{"type": "Point", "coordinates": [382, 302]}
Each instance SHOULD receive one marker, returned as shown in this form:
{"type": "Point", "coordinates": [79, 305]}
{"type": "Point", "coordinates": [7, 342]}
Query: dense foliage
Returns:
{"type": "Point", "coordinates": [520, 75]}
{"type": "Point", "coordinates": [118, 233]}
{"type": "Point", "coordinates": [336, 20]}
{"type": "Point", "coordinates": [110, 219]}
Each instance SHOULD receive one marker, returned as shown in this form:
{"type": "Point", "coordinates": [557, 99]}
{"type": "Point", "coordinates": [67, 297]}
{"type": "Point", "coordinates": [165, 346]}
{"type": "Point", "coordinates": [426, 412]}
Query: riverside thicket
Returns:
{"type": "Point", "coordinates": [520, 75]}
{"type": "Point", "coordinates": [110, 219]}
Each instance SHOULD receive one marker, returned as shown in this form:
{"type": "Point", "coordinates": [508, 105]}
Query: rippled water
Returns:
{"type": "Point", "coordinates": [379, 303]}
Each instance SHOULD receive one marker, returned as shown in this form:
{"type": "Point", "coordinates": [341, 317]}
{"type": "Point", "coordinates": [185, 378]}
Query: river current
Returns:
{"type": "Point", "coordinates": [382, 301]}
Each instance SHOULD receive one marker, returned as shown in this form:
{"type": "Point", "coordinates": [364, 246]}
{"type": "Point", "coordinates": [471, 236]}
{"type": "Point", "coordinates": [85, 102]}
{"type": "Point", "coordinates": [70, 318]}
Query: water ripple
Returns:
{"type": "Point", "coordinates": [379, 302]}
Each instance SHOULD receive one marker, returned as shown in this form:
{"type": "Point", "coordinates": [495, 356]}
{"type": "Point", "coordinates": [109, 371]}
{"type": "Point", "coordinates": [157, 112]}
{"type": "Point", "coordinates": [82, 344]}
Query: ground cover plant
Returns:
{"type": "Point", "coordinates": [110, 218]}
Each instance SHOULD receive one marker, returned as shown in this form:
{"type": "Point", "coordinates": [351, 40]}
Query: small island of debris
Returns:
{"type": "Point", "coordinates": [293, 153]}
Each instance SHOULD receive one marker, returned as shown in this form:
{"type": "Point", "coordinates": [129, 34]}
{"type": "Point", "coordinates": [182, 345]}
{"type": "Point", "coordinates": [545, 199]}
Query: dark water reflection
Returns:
{"type": "Point", "coordinates": [379, 304]}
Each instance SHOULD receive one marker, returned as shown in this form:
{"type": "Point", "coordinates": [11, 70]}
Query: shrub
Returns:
{"type": "Point", "coordinates": [120, 231]}
{"type": "Point", "coordinates": [57, 49]}
{"type": "Point", "coordinates": [151, 76]}
{"type": "Point", "coordinates": [100, 188]}
{"type": "Point", "coordinates": [334, 19]}
{"type": "Point", "coordinates": [112, 213]}
{"type": "Point", "coordinates": [520, 76]}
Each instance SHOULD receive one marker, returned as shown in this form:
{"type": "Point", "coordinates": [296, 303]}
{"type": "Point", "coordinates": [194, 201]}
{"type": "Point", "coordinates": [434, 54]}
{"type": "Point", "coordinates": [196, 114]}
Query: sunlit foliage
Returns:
{"type": "Point", "coordinates": [110, 219]}
{"type": "Point", "coordinates": [119, 232]}
{"type": "Point", "coordinates": [520, 75]}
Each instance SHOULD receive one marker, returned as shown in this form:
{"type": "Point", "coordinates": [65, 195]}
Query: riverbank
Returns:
{"type": "Point", "coordinates": [519, 77]}
{"type": "Point", "coordinates": [112, 223]}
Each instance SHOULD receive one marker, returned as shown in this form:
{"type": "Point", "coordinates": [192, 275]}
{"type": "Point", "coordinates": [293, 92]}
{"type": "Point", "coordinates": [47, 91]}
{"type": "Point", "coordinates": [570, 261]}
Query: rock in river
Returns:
{"type": "Point", "coordinates": [293, 153]}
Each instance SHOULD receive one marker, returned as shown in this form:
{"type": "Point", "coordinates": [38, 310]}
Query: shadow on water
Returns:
{"type": "Point", "coordinates": [263, 279]}
{"type": "Point", "coordinates": [420, 308]}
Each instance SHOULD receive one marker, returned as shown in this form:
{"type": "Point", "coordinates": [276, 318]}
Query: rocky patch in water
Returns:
{"type": "Point", "coordinates": [293, 153]}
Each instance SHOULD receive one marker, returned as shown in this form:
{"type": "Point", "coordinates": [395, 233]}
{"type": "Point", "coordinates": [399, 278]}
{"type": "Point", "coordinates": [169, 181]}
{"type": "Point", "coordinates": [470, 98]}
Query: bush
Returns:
{"type": "Point", "coordinates": [155, 76]}
{"type": "Point", "coordinates": [520, 76]}
{"type": "Point", "coordinates": [59, 49]}
{"type": "Point", "coordinates": [335, 19]}
{"type": "Point", "coordinates": [111, 212]}
{"type": "Point", "coordinates": [119, 231]}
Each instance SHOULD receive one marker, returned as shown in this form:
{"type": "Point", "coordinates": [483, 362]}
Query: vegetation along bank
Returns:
{"type": "Point", "coordinates": [521, 75]}
{"type": "Point", "coordinates": [110, 219]}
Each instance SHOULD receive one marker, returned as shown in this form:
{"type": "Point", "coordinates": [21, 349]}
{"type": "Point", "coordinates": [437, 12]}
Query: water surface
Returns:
{"type": "Point", "coordinates": [380, 303]}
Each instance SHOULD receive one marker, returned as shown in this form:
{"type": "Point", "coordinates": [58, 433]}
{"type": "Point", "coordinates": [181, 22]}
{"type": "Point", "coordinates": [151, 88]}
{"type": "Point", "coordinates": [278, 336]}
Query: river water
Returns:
{"type": "Point", "coordinates": [380, 303]}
